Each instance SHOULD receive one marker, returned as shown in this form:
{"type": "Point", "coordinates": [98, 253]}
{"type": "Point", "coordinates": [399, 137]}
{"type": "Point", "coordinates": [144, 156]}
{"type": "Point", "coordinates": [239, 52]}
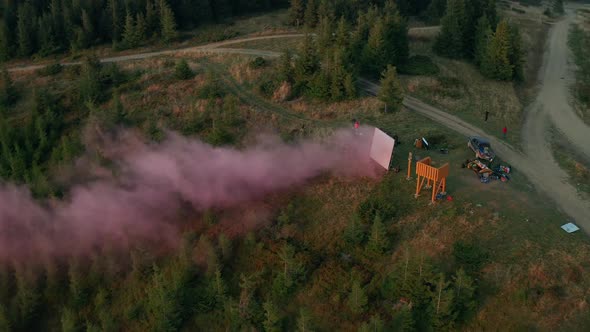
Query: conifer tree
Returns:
{"type": "Point", "coordinates": [325, 36]}
{"type": "Point", "coordinates": [374, 54]}
{"type": "Point", "coordinates": [357, 299]}
{"type": "Point", "coordinates": [375, 324]}
{"type": "Point", "coordinates": [483, 35]}
{"type": "Point", "coordinates": [391, 91]}
{"type": "Point", "coordinates": [297, 12]}
{"type": "Point", "coordinates": [151, 18]}
{"type": "Point", "coordinates": [496, 63]}
{"type": "Point", "coordinates": [307, 64]}
{"type": "Point", "coordinates": [129, 32]}
{"type": "Point", "coordinates": [464, 299]}
{"type": "Point", "coordinates": [88, 27]}
{"type": "Point", "coordinates": [26, 29]}
{"type": "Point", "coordinates": [140, 29]}
{"type": "Point", "coordinates": [450, 42]}
{"type": "Point", "coordinates": [378, 241]}
{"type": "Point", "coordinates": [8, 93]}
{"type": "Point", "coordinates": [271, 317]}
{"type": "Point", "coordinates": [517, 54]}
{"type": "Point", "coordinates": [310, 16]}
{"type": "Point", "coordinates": [441, 307]}
{"type": "Point", "coordinates": [304, 321]}
{"type": "Point", "coordinates": [5, 45]}
{"type": "Point", "coordinates": [116, 20]}
{"type": "Point", "coordinates": [168, 31]}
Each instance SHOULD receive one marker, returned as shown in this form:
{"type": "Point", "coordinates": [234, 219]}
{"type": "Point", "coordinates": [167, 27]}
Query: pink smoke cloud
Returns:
{"type": "Point", "coordinates": [155, 179]}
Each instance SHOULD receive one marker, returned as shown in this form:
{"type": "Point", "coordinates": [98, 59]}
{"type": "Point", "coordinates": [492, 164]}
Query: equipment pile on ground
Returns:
{"type": "Point", "coordinates": [485, 173]}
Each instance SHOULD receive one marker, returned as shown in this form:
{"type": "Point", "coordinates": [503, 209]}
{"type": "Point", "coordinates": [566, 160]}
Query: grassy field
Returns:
{"type": "Point", "coordinates": [574, 165]}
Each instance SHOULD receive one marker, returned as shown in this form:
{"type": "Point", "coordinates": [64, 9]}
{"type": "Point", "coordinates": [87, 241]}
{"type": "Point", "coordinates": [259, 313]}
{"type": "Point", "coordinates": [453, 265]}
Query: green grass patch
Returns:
{"type": "Point", "coordinates": [419, 65]}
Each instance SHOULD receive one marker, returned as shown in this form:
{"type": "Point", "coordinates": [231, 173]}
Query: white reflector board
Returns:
{"type": "Point", "coordinates": [382, 148]}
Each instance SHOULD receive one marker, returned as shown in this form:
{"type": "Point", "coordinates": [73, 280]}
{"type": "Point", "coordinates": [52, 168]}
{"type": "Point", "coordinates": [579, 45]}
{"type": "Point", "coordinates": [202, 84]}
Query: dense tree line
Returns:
{"type": "Point", "coordinates": [307, 12]}
{"type": "Point", "coordinates": [48, 26]}
{"type": "Point", "coordinates": [328, 65]}
{"type": "Point", "coordinates": [473, 30]}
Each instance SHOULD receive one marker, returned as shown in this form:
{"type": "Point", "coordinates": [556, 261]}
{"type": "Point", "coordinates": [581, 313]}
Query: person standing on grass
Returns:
{"type": "Point", "coordinates": [504, 131]}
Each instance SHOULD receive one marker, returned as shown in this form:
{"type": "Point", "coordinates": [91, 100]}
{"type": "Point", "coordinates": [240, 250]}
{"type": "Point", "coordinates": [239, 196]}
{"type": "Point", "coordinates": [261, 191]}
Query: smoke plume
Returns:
{"type": "Point", "coordinates": [154, 180]}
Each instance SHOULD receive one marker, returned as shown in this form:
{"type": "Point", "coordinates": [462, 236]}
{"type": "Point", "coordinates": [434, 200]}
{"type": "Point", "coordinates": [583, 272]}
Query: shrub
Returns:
{"type": "Point", "coordinates": [419, 65]}
{"type": "Point", "coordinates": [267, 88]}
{"type": "Point", "coordinates": [259, 62]}
{"type": "Point", "coordinates": [211, 90]}
{"type": "Point", "coordinates": [470, 257]}
{"type": "Point", "coordinates": [50, 70]}
{"type": "Point", "coordinates": [182, 71]}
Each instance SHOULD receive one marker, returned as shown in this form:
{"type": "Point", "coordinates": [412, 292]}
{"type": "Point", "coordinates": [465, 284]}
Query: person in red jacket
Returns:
{"type": "Point", "coordinates": [504, 131]}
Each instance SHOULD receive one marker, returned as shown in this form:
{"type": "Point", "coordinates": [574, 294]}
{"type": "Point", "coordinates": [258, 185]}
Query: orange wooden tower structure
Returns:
{"type": "Point", "coordinates": [436, 177]}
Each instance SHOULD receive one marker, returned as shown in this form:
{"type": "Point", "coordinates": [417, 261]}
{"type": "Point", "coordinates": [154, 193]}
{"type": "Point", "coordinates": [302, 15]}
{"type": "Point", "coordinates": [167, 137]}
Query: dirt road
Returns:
{"type": "Point", "coordinates": [538, 166]}
{"type": "Point", "coordinates": [536, 163]}
{"type": "Point", "coordinates": [554, 97]}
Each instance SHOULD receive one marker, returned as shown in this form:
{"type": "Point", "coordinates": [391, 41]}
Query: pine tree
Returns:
{"type": "Point", "coordinates": [286, 68]}
{"type": "Point", "coordinates": [374, 325]}
{"type": "Point", "coordinates": [151, 19]}
{"type": "Point", "coordinates": [88, 27]}
{"type": "Point", "coordinates": [450, 42]}
{"type": "Point", "coordinates": [325, 36]}
{"type": "Point", "coordinates": [129, 32]}
{"type": "Point", "coordinates": [168, 31]}
{"type": "Point", "coordinates": [558, 6]}
{"type": "Point", "coordinates": [357, 300]}
{"type": "Point", "coordinates": [396, 36]}
{"type": "Point", "coordinates": [310, 16]}
{"type": "Point", "coordinates": [375, 53]}
{"type": "Point", "coordinates": [116, 20]}
{"type": "Point", "coordinates": [441, 306]}
{"type": "Point", "coordinates": [483, 35]}
{"type": "Point", "coordinates": [378, 241]}
{"type": "Point", "coordinates": [271, 317]}
{"type": "Point", "coordinates": [496, 63]}
{"type": "Point", "coordinates": [517, 54]}
{"type": "Point", "coordinates": [355, 231]}
{"type": "Point", "coordinates": [140, 29]}
{"type": "Point", "coordinates": [391, 91]}
{"type": "Point", "coordinates": [349, 86]}
{"type": "Point", "coordinates": [8, 93]}
{"type": "Point", "coordinates": [297, 12]}
{"type": "Point", "coordinates": [69, 321]}
{"type": "Point", "coordinates": [4, 321]}
{"type": "Point", "coordinates": [26, 29]}
{"type": "Point", "coordinates": [307, 64]}
{"type": "Point", "coordinates": [183, 71]}
{"type": "Point", "coordinates": [5, 45]}
{"type": "Point", "coordinates": [304, 321]}
{"type": "Point", "coordinates": [465, 302]}
{"type": "Point", "coordinates": [46, 35]}
{"type": "Point", "coordinates": [225, 246]}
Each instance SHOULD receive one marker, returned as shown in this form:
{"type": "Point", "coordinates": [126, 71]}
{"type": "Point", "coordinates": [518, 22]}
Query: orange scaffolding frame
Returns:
{"type": "Point", "coordinates": [436, 178]}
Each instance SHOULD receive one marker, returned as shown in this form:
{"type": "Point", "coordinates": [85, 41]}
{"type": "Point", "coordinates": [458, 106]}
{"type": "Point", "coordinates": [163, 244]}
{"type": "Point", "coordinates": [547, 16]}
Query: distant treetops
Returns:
{"type": "Point", "coordinates": [471, 29]}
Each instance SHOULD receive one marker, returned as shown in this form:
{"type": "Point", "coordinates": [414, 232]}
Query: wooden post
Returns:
{"type": "Point", "coordinates": [409, 177]}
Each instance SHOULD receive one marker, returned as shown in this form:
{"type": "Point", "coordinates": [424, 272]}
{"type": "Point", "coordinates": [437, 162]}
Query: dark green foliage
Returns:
{"type": "Point", "coordinates": [258, 62]}
{"type": "Point", "coordinates": [182, 71]}
{"type": "Point", "coordinates": [167, 22]}
{"type": "Point", "coordinates": [357, 299]}
{"type": "Point", "coordinates": [8, 92]}
{"type": "Point", "coordinates": [391, 91]}
{"type": "Point", "coordinates": [500, 54]}
{"type": "Point", "coordinates": [470, 257]}
{"type": "Point", "coordinates": [558, 6]}
{"type": "Point", "coordinates": [378, 239]}
{"type": "Point", "coordinates": [419, 65]}
{"type": "Point", "coordinates": [50, 70]}
{"type": "Point", "coordinates": [579, 43]}
{"type": "Point", "coordinates": [450, 42]}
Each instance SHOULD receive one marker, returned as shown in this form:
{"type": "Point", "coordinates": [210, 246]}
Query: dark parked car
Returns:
{"type": "Point", "coordinates": [482, 148]}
